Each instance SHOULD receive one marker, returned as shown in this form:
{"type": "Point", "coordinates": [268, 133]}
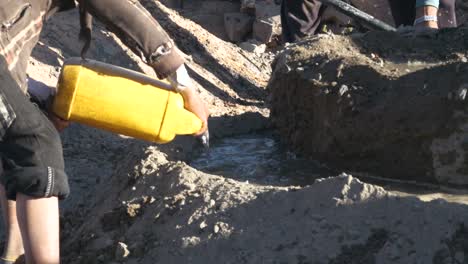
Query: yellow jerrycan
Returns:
{"type": "Point", "coordinates": [121, 101]}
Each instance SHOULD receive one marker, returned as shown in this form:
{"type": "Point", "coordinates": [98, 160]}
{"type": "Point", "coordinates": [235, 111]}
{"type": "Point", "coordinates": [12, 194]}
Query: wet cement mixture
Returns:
{"type": "Point", "coordinates": [137, 202]}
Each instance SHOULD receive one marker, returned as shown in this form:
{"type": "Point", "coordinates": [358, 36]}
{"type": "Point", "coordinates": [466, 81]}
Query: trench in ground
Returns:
{"type": "Point", "coordinates": [259, 158]}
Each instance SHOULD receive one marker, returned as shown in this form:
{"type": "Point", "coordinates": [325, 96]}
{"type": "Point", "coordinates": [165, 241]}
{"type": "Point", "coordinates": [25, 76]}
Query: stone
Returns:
{"type": "Point", "coordinates": [248, 46]}
{"type": "Point", "coordinates": [190, 241]}
{"type": "Point", "coordinates": [216, 229]}
{"type": "Point", "coordinates": [237, 26]}
{"type": "Point", "coordinates": [343, 90]}
{"type": "Point", "coordinates": [203, 225]}
{"type": "Point", "coordinates": [253, 47]}
{"type": "Point", "coordinates": [462, 93]}
{"type": "Point", "coordinates": [121, 252]}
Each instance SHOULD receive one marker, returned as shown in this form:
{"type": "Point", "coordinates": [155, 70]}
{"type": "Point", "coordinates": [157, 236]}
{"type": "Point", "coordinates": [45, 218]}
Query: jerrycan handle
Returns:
{"type": "Point", "coordinates": [113, 70]}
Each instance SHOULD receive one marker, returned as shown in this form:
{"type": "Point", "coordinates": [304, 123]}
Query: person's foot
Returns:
{"type": "Point", "coordinates": [18, 260]}
{"type": "Point", "coordinates": [426, 18]}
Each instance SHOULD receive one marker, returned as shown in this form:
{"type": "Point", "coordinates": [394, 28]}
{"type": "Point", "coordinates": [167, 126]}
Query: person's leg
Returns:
{"type": "Point", "coordinates": [34, 214]}
{"type": "Point", "coordinates": [403, 12]}
{"type": "Point", "coordinates": [13, 243]}
{"type": "Point", "coordinates": [300, 18]}
{"type": "Point", "coordinates": [33, 170]}
{"type": "Point", "coordinates": [447, 14]}
{"type": "Point", "coordinates": [286, 33]}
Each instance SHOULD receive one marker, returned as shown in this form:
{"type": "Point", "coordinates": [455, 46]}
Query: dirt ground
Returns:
{"type": "Point", "coordinates": [136, 202]}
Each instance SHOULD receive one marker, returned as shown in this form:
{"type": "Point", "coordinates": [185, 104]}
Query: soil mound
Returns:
{"type": "Point", "coordinates": [393, 104]}
{"type": "Point", "coordinates": [167, 212]}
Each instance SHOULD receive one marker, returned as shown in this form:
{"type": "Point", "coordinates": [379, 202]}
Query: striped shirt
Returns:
{"type": "Point", "coordinates": [21, 23]}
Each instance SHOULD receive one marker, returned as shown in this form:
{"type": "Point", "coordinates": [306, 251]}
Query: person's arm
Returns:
{"type": "Point", "coordinates": [136, 27]}
{"type": "Point", "coordinates": [426, 13]}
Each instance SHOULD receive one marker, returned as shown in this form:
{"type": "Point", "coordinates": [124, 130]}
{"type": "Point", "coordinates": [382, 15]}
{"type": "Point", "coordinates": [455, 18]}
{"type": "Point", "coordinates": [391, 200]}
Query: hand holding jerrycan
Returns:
{"type": "Point", "coordinates": [121, 101]}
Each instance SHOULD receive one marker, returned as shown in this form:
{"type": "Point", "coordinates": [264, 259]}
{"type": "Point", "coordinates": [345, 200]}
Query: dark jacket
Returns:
{"type": "Point", "coordinates": [21, 23]}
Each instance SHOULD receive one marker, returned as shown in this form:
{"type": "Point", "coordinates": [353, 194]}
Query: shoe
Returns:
{"type": "Point", "coordinates": [19, 260]}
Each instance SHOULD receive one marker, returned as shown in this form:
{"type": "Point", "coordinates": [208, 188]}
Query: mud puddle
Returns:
{"type": "Point", "coordinates": [259, 158]}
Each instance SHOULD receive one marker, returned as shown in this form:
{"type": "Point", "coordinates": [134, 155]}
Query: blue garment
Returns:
{"type": "Point", "coordinates": [420, 3]}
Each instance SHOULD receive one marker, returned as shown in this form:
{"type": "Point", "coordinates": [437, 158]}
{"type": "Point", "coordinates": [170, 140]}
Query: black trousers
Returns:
{"type": "Point", "coordinates": [30, 146]}
{"type": "Point", "coordinates": [301, 18]}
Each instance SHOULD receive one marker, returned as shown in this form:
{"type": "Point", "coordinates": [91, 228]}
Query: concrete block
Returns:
{"type": "Point", "coordinates": [265, 30]}
{"type": "Point", "coordinates": [237, 25]}
{"type": "Point", "coordinates": [267, 23]}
